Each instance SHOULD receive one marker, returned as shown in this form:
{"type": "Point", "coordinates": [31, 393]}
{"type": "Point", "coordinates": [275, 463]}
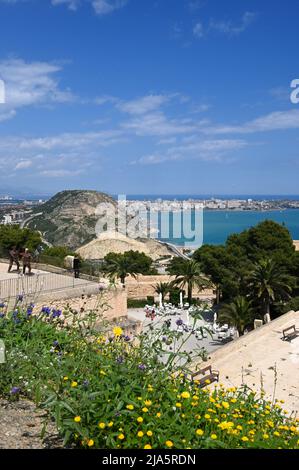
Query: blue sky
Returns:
{"type": "Point", "coordinates": [149, 96]}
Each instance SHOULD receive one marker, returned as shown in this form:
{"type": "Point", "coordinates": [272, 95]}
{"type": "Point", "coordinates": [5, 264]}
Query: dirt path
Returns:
{"type": "Point", "coordinates": [21, 427]}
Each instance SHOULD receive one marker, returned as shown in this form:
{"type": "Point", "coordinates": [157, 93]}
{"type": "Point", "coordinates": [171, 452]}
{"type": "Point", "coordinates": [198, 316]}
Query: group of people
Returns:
{"type": "Point", "coordinates": [14, 257]}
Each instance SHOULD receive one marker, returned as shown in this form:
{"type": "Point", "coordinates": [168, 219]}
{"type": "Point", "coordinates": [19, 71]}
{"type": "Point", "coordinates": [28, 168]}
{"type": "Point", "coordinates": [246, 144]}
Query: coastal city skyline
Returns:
{"type": "Point", "coordinates": [200, 104]}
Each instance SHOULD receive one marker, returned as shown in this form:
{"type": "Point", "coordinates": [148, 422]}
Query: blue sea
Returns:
{"type": "Point", "coordinates": [218, 225]}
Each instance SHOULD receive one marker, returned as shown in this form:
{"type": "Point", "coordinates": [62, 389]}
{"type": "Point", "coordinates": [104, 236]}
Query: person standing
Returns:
{"type": "Point", "coordinates": [13, 258]}
{"type": "Point", "coordinates": [26, 261]}
{"type": "Point", "coordinates": [76, 266]}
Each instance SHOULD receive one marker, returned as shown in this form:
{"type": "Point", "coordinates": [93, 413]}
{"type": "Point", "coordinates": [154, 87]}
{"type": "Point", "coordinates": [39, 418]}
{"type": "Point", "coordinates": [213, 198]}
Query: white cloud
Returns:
{"type": "Point", "coordinates": [198, 30]}
{"type": "Point", "coordinates": [23, 164]}
{"type": "Point", "coordinates": [101, 7]}
{"type": "Point", "coordinates": [157, 124]}
{"type": "Point", "coordinates": [278, 120]}
{"type": "Point", "coordinates": [200, 149]}
{"type": "Point", "coordinates": [143, 105]}
{"type": "Point", "coordinates": [72, 4]}
{"type": "Point", "coordinates": [228, 27]}
{"type": "Point", "coordinates": [30, 83]}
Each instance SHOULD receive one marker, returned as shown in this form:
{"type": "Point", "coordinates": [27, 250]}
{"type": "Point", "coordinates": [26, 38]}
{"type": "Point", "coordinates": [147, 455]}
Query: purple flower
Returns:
{"type": "Point", "coordinates": [86, 383]}
{"type": "Point", "coordinates": [56, 313]}
{"type": "Point", "coordinates": [127, 338]}
{"type": "Point", "coordinates": [142, 367]}
{"type": "Point", "coordinates": [55, 343]}
{"type": "Point", "coordinates": [46, 310]}
{"type": "Point", "coordinates": [179, 322]}
{"type": "Point", "coordinates": [120, 360]}
{"type": "Point", "coordinates": [15, 390]}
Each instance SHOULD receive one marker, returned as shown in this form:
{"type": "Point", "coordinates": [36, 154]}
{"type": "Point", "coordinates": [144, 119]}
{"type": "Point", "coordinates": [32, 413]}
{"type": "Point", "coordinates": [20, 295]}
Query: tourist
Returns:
{"type": "Point", "coordinates": [26, 261]}
{"type": "Point", "coordinates": [13, 258]}
{"type": "Point", "coordinates": [76, 266]}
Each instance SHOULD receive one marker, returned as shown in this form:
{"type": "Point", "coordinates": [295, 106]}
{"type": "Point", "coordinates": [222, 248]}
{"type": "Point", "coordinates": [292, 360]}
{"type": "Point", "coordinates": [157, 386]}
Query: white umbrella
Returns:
{"type": "Point", "coordinates": [160, 300]}
{"type": "Point", "coordinates": [181, 299]}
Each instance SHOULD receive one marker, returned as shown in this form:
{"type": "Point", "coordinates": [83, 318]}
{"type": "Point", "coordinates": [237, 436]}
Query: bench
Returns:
{"type": "Point", "coordinates": [290, 333]}
{"type": "Point", "coordinates": [208, 376]}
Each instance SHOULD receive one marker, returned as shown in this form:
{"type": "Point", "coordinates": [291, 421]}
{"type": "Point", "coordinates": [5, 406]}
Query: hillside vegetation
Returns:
{"type": "Point", "coordinates": [68, 218]}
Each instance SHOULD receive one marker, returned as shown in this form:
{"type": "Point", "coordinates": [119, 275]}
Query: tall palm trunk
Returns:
{"type": "Point", "coordinates": [190, 293]}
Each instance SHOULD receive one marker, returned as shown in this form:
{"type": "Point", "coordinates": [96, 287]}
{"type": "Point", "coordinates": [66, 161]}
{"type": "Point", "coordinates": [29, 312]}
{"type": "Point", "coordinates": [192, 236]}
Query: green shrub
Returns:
{"type": "Point", "coordinates": [136, 303]}
{"type": "Point", "coordinates": [105, 391]}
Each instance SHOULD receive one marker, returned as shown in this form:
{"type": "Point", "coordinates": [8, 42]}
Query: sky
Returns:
{"type": "Point", "coordinates": [149, 96]}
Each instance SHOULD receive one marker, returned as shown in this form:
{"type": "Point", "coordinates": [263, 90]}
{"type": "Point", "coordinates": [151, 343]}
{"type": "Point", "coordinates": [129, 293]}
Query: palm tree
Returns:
{"type": "Point", "coordinates": [119, 267]}
{"type": "Point", "coordinates": [269, 283]}
{"type": "Point", "coordinates": [238, 314]}
{"type": "Point", "coordinates": [191, 276]}
{"type": "Point", "coordinates": [162, 288]}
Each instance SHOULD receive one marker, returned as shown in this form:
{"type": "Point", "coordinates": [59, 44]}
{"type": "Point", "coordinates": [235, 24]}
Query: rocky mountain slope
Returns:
{"type": "Point", "coordinates": [69, 217]}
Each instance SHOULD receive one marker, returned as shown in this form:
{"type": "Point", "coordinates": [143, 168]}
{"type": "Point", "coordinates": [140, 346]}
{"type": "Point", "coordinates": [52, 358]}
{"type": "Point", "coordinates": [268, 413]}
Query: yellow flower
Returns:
{"type": "Point", "coordinates": [226, 425]}
{"type": "Point", "coordinates": [147, 446]}
{"type": "Point", "coordinates": [225, 405]}
{"type": "Point", "coordinates": [74, 384]}
{"type": "Point", "coordinates": [140, 434]}
{"type": "Point", "coordinates": [276, 433]}
{"type": "Point", "coordinates": [130, 407]}
{"type": "Point", "coordinates": [117, 331]}
{"type": "Point", "coordinates": [148, 402]}
{"type": "Point", "coordinates": [169, 444]}
{"type": "Point", "coordinates": [178, 405]}
{"type": "Point", "coordinates": [185, 395]}
{"type": "Point", "coordinates": [207, 416]}
{"type": "Point", "coordinates": [145, 409]}
{"type": "Point", "coordinates": [239, 427]}
{"type": "Point", "coordinates": [77, 419]}
{"type": "Point", "coordinates": [214, 436]}
{"type": "Point", "coordinates": [265, 436]}
{"type": "Point", "coordinates": [199, 432]}
{"type": "Point", "coordinates": [90, 443]}
{"type": "Point", "coordinates": [110, 424]}
{"type": "Point", "coordinates": [149, 433]}
{"type": "Point", "coordinates": [65, 378]}
{"type": "Point", "coordinates": [158, 415]}
{"type": "Point", "coordinates": [140, 419]}
{"type": "Point", "coordinates": [102, 372]}
{"type": "Point", "coordinates": [244, 439]}
{"type": "Point", "coordinates": [121, 437]}
{"type": "Point", "coordinates": [102, 425]}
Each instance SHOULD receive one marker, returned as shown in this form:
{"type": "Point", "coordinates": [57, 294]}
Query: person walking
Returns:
{"type": "Point", "coordinates": [26, 261]}
{"type": "Point", "coordinates": [13, 258]}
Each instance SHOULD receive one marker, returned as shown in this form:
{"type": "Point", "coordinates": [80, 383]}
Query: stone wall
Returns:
{"type": "Point", "coordinates": [111, 303]}
{"type": "Point", "coordinates": [144, 286]}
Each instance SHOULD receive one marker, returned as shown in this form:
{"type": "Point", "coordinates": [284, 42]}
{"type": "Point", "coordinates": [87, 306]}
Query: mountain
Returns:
{"type": "Point", "coordinates": [69, 218]}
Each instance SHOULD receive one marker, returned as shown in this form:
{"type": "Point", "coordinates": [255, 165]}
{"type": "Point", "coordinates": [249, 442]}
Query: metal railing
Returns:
{"type": "Point", "coordinates": [38, 284]}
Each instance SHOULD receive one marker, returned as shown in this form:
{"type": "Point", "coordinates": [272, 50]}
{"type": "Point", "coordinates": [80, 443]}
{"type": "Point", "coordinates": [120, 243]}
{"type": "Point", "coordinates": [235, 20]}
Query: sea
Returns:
{"type": "Point", "coordinates": [219, 224]}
